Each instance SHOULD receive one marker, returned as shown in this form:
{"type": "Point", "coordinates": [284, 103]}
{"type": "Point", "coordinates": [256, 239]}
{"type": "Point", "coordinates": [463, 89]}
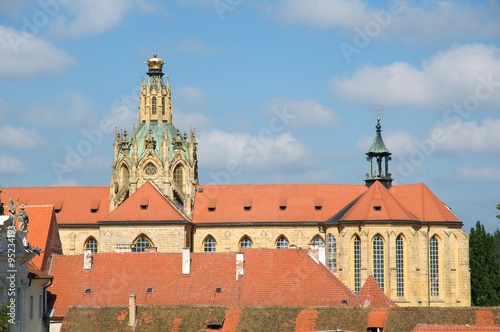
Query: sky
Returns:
{"type": "Point", "coordinates": [282, 91]}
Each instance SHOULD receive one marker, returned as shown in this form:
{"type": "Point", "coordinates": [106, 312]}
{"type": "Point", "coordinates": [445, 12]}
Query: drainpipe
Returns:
{"type": "Point", "coordinates": [44, 302]}
{"type": "Point", "coordinates": [428, 265]}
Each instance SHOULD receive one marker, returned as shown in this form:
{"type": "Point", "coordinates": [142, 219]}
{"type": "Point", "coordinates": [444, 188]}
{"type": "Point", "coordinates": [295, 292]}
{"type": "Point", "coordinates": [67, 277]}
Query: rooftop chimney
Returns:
{"type": "Point", "coordinates": [87, 259]}
{"type": "Point", "coordinates": [131, 309]}
{"type": "Point", "coordinates": [318, 253]}
{"type": "Point", "coordinates": [186, 261]}
{"type": "Point", "coordinates": [240, 271]}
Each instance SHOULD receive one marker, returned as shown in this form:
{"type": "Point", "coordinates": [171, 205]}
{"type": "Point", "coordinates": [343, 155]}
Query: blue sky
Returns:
{"type": "Point", "coordinates": [281, 91]}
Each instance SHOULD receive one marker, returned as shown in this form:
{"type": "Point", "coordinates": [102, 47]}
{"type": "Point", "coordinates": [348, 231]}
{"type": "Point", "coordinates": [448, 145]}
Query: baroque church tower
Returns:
{"type": "Point", "coordinates": [155, 150]}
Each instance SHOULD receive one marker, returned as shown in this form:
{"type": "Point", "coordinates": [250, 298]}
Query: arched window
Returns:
{"type": "Point", "coordinates": [163, 106]}
{"type": "Point", "coordinates": [318, 241]}
{"type": "Point", "coordinates": [246, 242]}
{"type": "Point", "coordinates": [434, 265]}
{"type": "Point", "coordinates": [209, 245]}
{"type": "Point", "coordinates": [400, 261]}
{"type": "Point", "coordinates": [357, 264]}
{"type": "Point", "coordinates": [153, 105]}
{"type": "Point", "coordinates": [331, 253]}
{"type": "Point", "coordinates": [141, 244]}
{"type": "Point", "coordinates": [282, 243]}
{"type": "Point", "coordinates": [179, 178]}
{"type": "Point", "coordinates": [91, 244]}
{"type": "Point", "coordinates": [378, 260]}
{"type": "Point", "coordinates": [124, 174]}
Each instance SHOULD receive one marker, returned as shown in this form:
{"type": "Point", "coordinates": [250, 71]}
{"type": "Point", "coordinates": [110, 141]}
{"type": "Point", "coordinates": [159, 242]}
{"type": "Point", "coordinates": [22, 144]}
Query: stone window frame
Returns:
{"type": "Point", "coordinates": [209, 245]}
{"type": "Point", "coordinates": [434, 265]}
{"type": "Point", "coordinates": [331, 252]}
{"type": "Point", "coordinates": [92, 244]}
{"type": "Point", "coordinates": [141, 243]}
{"type": "Point", "coordinates": [246, 242]}
{"type": "Point", "coordinates": [282, 242]}
{"type": "Point", "coordinates": [378, 260]}
{"type": "Point", "coordinates": [400, 266]}
{"type": "Point", "coordinates": [317, 241]}
{"type": "Point", "coordinates": [356, 252]}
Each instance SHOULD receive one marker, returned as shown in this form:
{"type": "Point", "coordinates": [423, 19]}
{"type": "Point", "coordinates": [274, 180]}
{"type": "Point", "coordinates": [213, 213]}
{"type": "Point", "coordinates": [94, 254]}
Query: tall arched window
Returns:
{"type": "Point", "coordinates": [141, 244]}
{"type": "Point", "coordinates": [282, 243]}
{"type": "Point", "coordinates": [246, 242]}
{"type": "Point", "coordinates": [209, 245]}
{"type": "Point", "coordinates": [434, 265]}
{"type": "Point", "coordinates": [163, 106]}
{"type": "Point", "coordinates": [331, 253]}
{"type": "Point", "coordinates": [318, 241]}
{"type": "Point", "coordinates": [378, 260]}
{"type": "Point", "coordinates": [124, 174]}
{"type": "Point", "coordinates": [400, 267]}
{"type": "Point", "coordinates": [91, 244]}
{"type": "Point", "coordinates": [179, 177]}
{"type": "Point", "coordinates": [153, 105]}
{"type": "Point", "coordinates": [357, 264]}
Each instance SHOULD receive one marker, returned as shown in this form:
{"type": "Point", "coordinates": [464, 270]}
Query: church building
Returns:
{"type": "Point", "coordinates": [403, 236]}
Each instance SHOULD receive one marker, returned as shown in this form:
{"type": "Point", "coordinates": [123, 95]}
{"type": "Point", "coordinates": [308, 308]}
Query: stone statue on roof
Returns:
{"type": "Point", "coordinates": [23, 219]}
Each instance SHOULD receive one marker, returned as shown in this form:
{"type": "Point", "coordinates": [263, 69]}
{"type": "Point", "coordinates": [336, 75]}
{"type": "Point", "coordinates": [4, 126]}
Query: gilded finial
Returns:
{"type": "Point", "coordinates": [378, 112]}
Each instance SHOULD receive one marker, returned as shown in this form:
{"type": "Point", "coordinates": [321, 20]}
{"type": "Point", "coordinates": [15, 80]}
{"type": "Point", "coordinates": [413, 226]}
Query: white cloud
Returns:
{"type": "Point", "coordinates": [19, 138]}
{"type": "Point", "coordinates": [24, 54]}
{"type": "Point", "coordinates": [221, 151]}
{"type": "Point", "coordinates": [90, 17]}
{"type": "Point", "coordinates": [302, 113]}
{"type": "Point", "coordinates": [196, 47]}
{"type": "Point", "coordinates": [469, 136]}
{"type": "Point", "coordinates": [322, 13]}
{"type": "Point", "coordinates": [449, 77]}
{"type": "Point", "coordinates": [485, 174]}
{"type": "Point", "coordinates": [411, 21]}
{"type": "Point", "coordinates": [11, 165]}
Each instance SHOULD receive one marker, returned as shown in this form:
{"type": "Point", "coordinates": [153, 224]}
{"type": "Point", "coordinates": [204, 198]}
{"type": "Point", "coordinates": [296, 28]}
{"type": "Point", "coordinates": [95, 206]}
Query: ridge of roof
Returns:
{"type": "Point", "coordinates": [378, 200]}
{"type": "Point", "coordinates": [371, 295]}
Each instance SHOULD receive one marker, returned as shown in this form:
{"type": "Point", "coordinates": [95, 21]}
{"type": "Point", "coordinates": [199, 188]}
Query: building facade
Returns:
{"type": "Point", "coordinates": [402, 235]}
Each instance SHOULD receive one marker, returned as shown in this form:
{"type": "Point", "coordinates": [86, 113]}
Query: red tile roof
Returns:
{"type": "Point", "coordinates": [422, 203]}
{"type": "Point", "coordinates": [371, 295]}
{"type": "Point", "coordinates": [378, 318]}
{"type": "Point", "coordinates": [377, 203]}
{"type": "Point", "coordinates": [317, 203]}
{"type": "Point", "coordinates": [34, 272]}
{"type": "Point", "coordinates": [301, 202]}
{"type": "Point", "coordinates": [146, 204]}
{"type": "Point", "coordinates": [43, 233]}
{"type": "Point", "coordinates": [74, 203]}
{"type": "Point", "coordinates": [454, 328]}
{"type": "Point", "coordinates": [287, 277]}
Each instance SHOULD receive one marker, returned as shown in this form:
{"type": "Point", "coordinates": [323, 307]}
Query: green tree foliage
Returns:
{"type": "Point", "coordinates": [484, 267]}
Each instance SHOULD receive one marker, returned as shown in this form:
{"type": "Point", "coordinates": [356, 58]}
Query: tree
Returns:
{"type": "Point", "coordinates": [498, 208]}
{"type": "Point", "coordinates": [484, 267]}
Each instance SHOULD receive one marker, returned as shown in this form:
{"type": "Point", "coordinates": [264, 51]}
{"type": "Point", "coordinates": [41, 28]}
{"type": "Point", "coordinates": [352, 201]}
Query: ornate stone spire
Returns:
{"type": "Point", "coordinates": [378, 157]}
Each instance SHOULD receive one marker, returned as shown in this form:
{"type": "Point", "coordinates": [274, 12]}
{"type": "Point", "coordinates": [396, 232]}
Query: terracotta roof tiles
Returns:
{"type": "Point", "coordinates": [72, 204]}
{"type": "Point", "coordinates": [272, 278]}
{"type": "Point", "coordinates": [271, 202]}
{"type": "Point", "coordinates": [43, 233]}
{"type": "Point", "coordinates": [371, 295]}
{"type": "Point", "coordinates": [454, 328]}
{"type": "Point", "coordinates": [146, 204]}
